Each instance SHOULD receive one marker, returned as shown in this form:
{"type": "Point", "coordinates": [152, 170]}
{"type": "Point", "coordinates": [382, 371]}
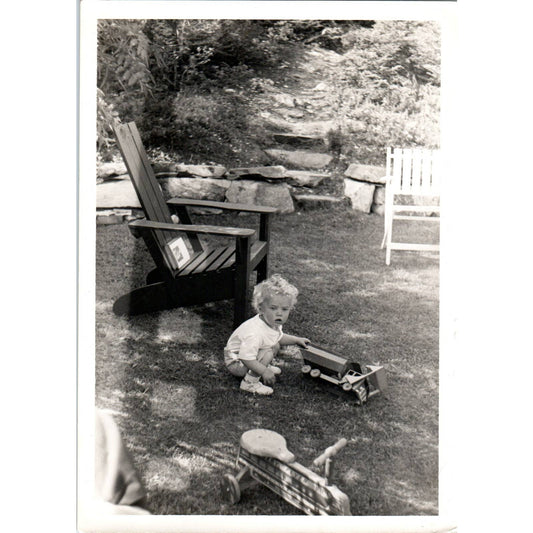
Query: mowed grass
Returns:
{"type": "Point", "coordinates": [182, 414]}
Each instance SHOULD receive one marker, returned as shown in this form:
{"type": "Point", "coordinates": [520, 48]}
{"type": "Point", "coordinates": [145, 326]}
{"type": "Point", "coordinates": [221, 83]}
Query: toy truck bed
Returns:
{"type": "Point", "coordinates": [344, 374]}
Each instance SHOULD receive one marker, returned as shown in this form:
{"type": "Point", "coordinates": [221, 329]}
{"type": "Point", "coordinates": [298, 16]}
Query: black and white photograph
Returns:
{"type": "Point", "coordinates": [279, 276]}
{"type": "Point", "coordinates": [262, 208]}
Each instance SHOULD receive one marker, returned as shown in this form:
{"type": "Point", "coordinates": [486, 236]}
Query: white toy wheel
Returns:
{"type": "Point", "coordinates": [315, 373]}
{"type": "Point", "coordinates": [306, 369]}
{"type": "Point", "coordinates": [346, 387]}
{"type": "Point", "coordinates": [231, 492]}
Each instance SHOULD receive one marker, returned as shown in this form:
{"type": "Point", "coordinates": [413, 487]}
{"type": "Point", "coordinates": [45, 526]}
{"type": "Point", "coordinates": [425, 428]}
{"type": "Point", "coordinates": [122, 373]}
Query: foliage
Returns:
{"type": "Point", "coordinates": [123, 56]}
{"type": "Point", "coordinates": [106, 115]}
{"type": "Point", "coordinates": [185, 82]}
{"type": "Point", "coordinates": [203, 124]}
{"type": "Point", "coordinates": [123, 75]}
{"type": "Point", "coordinates": [146, 69]}
{"type": "Point", "coordinates": [327, 33]}
{"type": "Point", "coordinates": [389, 86]}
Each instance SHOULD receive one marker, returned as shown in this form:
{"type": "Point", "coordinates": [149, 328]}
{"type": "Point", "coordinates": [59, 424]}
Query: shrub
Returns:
{"type": "Point", "coordinates": [202, 125]}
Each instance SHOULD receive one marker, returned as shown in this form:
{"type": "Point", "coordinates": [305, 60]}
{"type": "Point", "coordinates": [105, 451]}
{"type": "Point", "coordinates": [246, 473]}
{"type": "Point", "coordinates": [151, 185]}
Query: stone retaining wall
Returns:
{"type": "Point", "coordinates": [273, 186]}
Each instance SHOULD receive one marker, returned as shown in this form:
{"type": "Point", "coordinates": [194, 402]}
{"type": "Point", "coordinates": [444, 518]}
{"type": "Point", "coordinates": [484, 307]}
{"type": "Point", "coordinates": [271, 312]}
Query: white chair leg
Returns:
{"type": "Point", "coordinates": [385, 232]}
{"type": "Point", "coordinates": [384, 239]}
{"type": "Point", "coordinates": [388, 240]}
{"type": "Point", "coordinates": [387, 216]}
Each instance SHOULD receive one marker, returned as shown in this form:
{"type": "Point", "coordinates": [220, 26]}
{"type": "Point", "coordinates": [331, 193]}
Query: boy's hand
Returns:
{"type": "Point", "coordinates": [268, 377]}
{"type": "Point", "coordinates": [303, 342]}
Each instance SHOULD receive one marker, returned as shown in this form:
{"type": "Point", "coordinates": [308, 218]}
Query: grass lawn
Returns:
{"type": "Point", "coordinates": [182, 414]}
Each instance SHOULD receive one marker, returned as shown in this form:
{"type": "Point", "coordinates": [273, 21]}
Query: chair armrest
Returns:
{"type": "Point", "coordinates": [143, 224]}
{"type": "Point", "coordinates": [187, 202]}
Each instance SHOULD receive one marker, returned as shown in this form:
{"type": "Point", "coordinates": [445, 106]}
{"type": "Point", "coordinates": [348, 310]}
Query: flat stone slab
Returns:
{"type": "Point", "coordinates": [275, 122]}
{"type": "Point", "coordinates": [300, 158]}
{"type": "Point", "coordinates": [202, 171]}
{"type": "Point", "coordinates": [116, 193]}
{"type": "Point", "coordinates": [305, 178]}
{"type": "Point", "coordinates": [319, 127]}
{"type": "Point", "coordinates": [369, 173]}
{"type": "Point", "coordinates": [274, 173]}
{"type": "Point", "coordinates": [195, 188]}
{"type": "Point", "coordinates": [115, 168]}
{"type": "Point", "coordinates": [316, 201]}
{"type": "Point", "coordinates": [261, 193]}
{"type": "Point", "coordinates": [169, 170]}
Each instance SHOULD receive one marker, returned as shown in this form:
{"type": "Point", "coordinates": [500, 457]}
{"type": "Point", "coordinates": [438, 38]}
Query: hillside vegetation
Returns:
{"type": "Point", "coordinates": [204, 90]}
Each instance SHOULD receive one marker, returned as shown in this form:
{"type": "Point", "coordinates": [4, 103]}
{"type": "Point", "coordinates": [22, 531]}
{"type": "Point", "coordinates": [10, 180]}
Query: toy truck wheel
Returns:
{"type": "Point", "coordinates": [315, 373]}
{"type": "Point", "coordinates": [347, 387]}
{"type": "Point", "coordinates": [306, 369]}
{"type": "Point", "coordinates": [229, 486]}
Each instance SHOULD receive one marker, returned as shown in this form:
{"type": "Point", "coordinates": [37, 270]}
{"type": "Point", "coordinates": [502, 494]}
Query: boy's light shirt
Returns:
{"type": "Point", "coordinates": [250, 337]}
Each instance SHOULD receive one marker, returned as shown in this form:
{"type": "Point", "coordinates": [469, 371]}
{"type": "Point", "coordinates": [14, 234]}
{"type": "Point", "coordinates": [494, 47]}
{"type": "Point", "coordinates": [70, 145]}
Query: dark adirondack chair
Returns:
{"type": "Point", "coordinates": [208, 274]}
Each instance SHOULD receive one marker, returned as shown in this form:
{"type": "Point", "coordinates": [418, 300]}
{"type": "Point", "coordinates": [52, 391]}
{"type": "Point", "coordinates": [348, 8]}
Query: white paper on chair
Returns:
{"type": "Point", "coordinates": [179, 250]}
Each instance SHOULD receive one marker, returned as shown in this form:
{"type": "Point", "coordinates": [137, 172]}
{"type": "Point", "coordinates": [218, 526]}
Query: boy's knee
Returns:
{"type": "Point", "coordinates": [237, 369]}
{"type": "Point", "coordinates": [265, 356]}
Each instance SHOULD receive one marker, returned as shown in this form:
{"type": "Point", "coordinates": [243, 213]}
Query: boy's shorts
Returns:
{"type": "Point", "coordinates": [238, 368]}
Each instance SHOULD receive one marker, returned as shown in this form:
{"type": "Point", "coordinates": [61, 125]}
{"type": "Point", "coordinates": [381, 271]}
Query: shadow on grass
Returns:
{"type": "Point", "coordinates": [182, 415]}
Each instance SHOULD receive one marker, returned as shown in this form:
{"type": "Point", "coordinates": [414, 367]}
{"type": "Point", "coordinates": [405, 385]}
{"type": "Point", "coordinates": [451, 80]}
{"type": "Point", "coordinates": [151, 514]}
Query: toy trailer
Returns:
{"type": "Point", "coordinates": [263, 457]}
{"type": "Point", "coordinates": [343, 373]}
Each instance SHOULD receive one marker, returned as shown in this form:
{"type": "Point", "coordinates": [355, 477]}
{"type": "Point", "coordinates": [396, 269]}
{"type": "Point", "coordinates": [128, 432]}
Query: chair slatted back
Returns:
{"type": "Point", "coordinates": [147, 188]}
{"type": "Point", "coordinates": [414, 171]}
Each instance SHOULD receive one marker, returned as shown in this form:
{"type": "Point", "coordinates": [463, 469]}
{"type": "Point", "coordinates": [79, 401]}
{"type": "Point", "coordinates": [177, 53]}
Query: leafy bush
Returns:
{"type": "Point", "coordinates": [387, 89]}
{"type": "Point", "coordinates": [201, 125]}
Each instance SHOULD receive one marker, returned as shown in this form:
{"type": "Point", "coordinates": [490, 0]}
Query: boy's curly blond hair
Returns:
{"type": "Point", "coordinates": [275, 284]}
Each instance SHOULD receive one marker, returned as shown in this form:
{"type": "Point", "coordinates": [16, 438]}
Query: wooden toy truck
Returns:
{"type": "Point", "coordinates": [263, 457]}
{"type": "Point", "coordinates": [343, 373]}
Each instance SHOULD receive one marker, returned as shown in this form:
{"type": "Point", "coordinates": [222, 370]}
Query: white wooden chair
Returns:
{"type": "Point", "coordinates": [414, 173]}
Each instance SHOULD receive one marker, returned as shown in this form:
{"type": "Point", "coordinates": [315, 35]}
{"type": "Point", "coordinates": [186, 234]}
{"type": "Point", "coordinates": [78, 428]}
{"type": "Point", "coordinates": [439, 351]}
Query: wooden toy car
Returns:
{"type": "Point", "coordinates": [343, 373]}
{"type": "Point", "coordinates": [263, 457]}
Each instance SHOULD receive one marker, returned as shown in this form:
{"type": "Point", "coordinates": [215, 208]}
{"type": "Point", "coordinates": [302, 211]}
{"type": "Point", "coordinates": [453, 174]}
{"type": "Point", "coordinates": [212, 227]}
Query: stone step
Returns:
{"type": "Point", "coordinates": [368, 173]}
{"type": "Point", "coordinates": [273, 174]}
{"type": "Point", "coordinates": [306, 178]}
{"type": "Point", "coordinates": [300, 159]}
{"type": "Point", "coordinates": [299, 140]}
{"type": "Point", "coordinates": [116, 193]}
{"type": "Point", "coordinates": [319, 201]}
{"type": "Point", "coordinates": [314, 127]}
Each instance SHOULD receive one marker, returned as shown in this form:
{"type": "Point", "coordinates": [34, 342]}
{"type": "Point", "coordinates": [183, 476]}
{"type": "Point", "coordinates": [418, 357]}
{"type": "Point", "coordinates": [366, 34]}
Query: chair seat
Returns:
{"type": "Point", "coordinates": [220, 258]}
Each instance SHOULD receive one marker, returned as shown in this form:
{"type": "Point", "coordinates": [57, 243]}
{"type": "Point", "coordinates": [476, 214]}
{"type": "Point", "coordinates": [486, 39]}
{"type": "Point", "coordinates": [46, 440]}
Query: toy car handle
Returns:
{"type": "Point", "coordinates": [330, 452]}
